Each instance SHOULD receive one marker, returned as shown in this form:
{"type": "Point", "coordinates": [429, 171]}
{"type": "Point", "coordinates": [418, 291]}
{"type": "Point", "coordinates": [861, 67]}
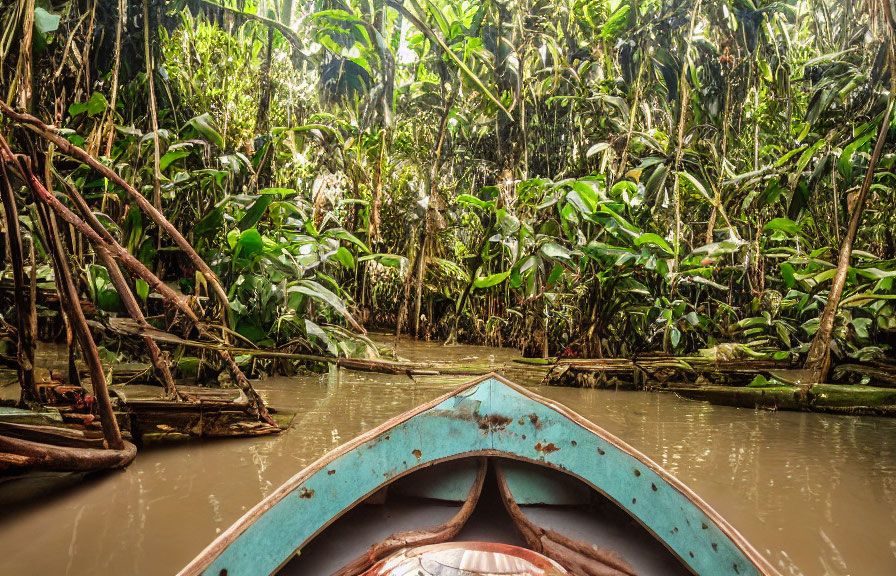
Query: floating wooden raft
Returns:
{"type": "Point", "coordinates": [491, 418]}
{"type": "Point", "coordinates": [200, 412]}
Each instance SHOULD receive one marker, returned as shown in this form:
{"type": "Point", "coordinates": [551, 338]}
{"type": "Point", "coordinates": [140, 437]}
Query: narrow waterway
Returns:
{"type": "Point", "coordinates": [815, 493]}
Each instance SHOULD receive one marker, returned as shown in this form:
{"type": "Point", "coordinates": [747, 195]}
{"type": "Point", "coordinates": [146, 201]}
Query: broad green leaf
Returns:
{"type": "Point", "coordinates": [249, 244]}
{"type": "Point", "coordinates": [45, 22]}
{"type": "Point", "coordinates": [142, 288]}
{"type": "Point", "coordinates": [470, 200]}
{"type": "Point", "coordinates": [344, 257]}
{"type": "Point", "coordinates": [318, 292]}
{"type": "Point", "coordinates": [170, 157]}
{"type": "Point", "coordinates": [205, 125]}
{"type": "Point", "coordinates": [554, 250]}
{"type": "Point", "coordinates": [653, 239]}
{"type": "Point", "coordinates": [255, 212]}
{"type": "Point", "coordinates": [783, 224]}
{"type": "Point", "coordinates": [489, 281]}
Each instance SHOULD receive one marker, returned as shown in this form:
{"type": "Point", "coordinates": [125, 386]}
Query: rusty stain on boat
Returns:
{"type": "Point", "coordinates": [546, 448]}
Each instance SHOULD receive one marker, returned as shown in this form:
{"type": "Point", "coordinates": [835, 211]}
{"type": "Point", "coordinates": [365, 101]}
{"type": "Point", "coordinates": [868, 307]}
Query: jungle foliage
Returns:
{"type": "Point", "coordinates": [588, 177]}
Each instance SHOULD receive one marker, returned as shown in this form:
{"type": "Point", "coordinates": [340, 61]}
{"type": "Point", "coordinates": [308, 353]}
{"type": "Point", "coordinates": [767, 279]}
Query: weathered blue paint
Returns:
{"type": "Point", "coordinates": [493, 417]}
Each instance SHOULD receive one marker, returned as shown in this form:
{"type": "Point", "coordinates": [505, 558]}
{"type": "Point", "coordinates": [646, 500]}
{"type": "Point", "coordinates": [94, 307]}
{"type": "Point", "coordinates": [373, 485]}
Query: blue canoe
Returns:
{"type": "Point", "coordinates": [551, 465]}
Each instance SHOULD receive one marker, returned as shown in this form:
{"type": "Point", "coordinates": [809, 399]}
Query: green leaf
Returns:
{"type": "Point", "coordinates": [759, 381]}
{"type": "Point", "coordinates": [597, 149]}
{"type": "Point", "coordinates": [489, 281]}
{"type": "Point", "coordinates": [470, 200]}
{"type": "Point", "coordinates": [255, 212]}
{"type": "Point", "coordinates": [44, 22]}
{"type": "Point", "coordinates": [674, 337]}
{"type": "Point", "coordinates": [344, 257]}
{"type": "Point", "coordinates": [249, 244]}
{"type": "Point", "coordinates": [653, 239]}
{"type": "Point", "coordinates": [94, 106]}
{"type": "Point", "coordinates": [554, 250]}
{"type": "Point", "coordinates": [318, 292]}
{"type": "Point", "coordinates": [211, 222]}
{"type": "Point", "coordinates": [205, 125]}
{"type": "Point", "coordinates": [788, 274]}
{"type": "Point", "coordinates": [785, 225]}
{"type": "Point", "coordinates": [390, 260]}
{"type": "Point", "coordinates": [697, 185]}
{"type": "Point", "coordinates": [312, 329]}
{"type": "Point", "coordinates": [142, 289]}
{"type": "Point", "coordinates": [170, 157]}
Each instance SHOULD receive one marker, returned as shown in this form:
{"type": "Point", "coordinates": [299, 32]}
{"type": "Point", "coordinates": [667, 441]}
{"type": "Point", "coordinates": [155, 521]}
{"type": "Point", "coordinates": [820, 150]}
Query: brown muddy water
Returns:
{"type": "Point", "coordinates": [815, 493]}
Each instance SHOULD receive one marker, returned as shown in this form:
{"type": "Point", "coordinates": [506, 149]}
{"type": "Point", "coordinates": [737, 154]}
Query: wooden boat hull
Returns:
{"type": "Point", "coordinates": [486, 417]}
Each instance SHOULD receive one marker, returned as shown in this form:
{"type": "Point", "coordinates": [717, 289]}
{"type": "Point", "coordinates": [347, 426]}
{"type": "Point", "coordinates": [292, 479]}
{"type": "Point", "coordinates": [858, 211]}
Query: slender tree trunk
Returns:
{"type": "Point", "coordinates": [679, 146]}
{"type": "Point", "coordinates": [432, 212]}
{"type": "Point", "coordinates": [71, 301]}
{"type": "Point", "coordinates": [819, 357]}
{"type": "Point", "coordinates": [110, 132]}
{"type": "Point", "coordinates": [373, 226]}
{"type": "Point", "coordinates": [264, 102]}
{"type": "Point", "coordinates": [24, 336]}
{"type": "Point", "coordinates": [154, 117]}
{"type": "Point", "coordinates": [24, 72]}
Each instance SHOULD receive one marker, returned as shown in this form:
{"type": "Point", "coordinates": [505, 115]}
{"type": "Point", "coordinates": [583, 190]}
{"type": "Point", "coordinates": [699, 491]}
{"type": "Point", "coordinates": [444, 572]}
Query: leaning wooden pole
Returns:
{"type": "Point", "coordinates": [124, 291]}
{"type": "Point", "coordinates": [48, 133]}
{"type": "Point", "coordinates": [79, 325]}
{"type": "Point", "coordinates": [24, 336]}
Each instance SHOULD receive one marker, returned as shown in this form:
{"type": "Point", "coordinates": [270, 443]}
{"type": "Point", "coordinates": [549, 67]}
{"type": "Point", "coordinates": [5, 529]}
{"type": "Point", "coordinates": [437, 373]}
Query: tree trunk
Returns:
{"type": "Point", "coordinates": [819, 357]}
{"type": "Point", "coordinates": [24, 336]}
{"type": "Point", "coordinates": [264, 102]}
{"type": "Point", "coordinates": [69, 297]}
{"type": "Point", "coordinates": [432, 219]}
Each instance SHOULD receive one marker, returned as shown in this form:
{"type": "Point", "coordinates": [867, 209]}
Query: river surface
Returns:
{"type": "Point", "coordinates": [815, 493]}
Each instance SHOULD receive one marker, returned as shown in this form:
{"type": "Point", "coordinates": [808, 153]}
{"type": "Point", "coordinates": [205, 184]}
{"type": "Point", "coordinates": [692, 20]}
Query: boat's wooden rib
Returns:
{"type": "Point", "coordinates": [486, 417]}
{"type": "Point", "coordinates": [434, 535]}
{"type": "Point", "coordinates": [575, 556]}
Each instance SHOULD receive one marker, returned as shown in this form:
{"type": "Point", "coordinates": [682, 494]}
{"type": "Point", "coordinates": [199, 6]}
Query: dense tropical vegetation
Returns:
{"type": "Point", "coordinates": [576, 177]}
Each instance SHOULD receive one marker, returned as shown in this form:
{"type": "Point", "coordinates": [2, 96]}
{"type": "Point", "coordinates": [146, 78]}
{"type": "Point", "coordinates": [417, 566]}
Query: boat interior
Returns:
{"type": "Point", "coordinates": [488, 500]}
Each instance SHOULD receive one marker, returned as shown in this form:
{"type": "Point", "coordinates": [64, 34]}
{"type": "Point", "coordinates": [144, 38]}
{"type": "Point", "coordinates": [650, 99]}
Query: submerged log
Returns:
{"type": "Point", "coordinates": [828, 398]}
{"type": "Point", "coordinates": [17, 455]}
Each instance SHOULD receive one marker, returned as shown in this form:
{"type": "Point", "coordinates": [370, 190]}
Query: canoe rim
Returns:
{"type": "Point", "coordinates": [213, 550]}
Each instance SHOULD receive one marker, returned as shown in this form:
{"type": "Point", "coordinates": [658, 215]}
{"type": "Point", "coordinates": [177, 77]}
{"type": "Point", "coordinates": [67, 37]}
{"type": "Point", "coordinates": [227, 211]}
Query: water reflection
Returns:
{"type": "Point", "coordinates": [815, 493]}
